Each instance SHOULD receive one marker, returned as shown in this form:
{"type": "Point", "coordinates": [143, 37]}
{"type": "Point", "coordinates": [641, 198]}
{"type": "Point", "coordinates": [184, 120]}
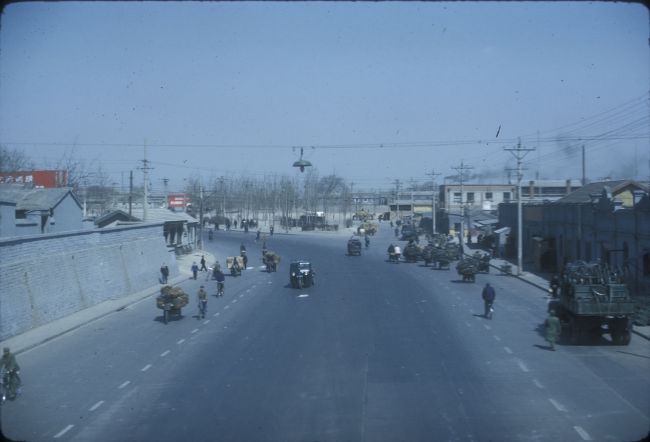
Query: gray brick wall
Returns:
{"type": "Point", "coordinates": [47, 277]}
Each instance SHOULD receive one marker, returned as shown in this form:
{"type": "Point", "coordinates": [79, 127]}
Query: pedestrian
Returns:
{"type": "Point", "coordinates": [397, 251]}
{"type": "Point", "coordinates": [203, 267]}
{"type": "Point", "coordinates": [271, 230]}
{"type": "Point", "coordinates": [203, 302]}
{"type": "Point", "coordinates": [221, 280]}
{"type": "Point", "coordinates": [554, 285]}
{"type": "Point", "coordinates": [257, 235]}
{"type": "Point", "coordinates": [553, 328]}
{"type": "Point", "coordinates": [195, 269]}
{"type": "Point", "coordinates": [235, 224]}
{"type": "Point", "coordinates": [164, 272]}
{"type": "Point", "coordinates": [11, 378]}
{"type": "Point", "coordinates": [488, 296]}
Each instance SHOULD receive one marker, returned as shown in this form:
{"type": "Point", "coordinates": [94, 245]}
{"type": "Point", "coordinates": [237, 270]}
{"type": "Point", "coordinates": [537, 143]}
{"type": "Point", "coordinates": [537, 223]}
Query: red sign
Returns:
{"type": "Point", "coordinates": [178, 200]}
{"type": "Point", "coordinates": [39, 178]}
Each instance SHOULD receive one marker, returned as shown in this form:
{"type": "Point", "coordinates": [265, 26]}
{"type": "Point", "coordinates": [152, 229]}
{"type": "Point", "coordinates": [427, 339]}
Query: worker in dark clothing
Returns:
{"type": "Point", "coordinates": [488, 296]}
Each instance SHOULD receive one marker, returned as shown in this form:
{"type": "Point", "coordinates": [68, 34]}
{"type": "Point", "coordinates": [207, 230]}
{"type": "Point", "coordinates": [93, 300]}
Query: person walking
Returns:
{"type": "Point", "coordinates": [553, 328]}
{"type": "Point", "coordinates": [195, 269]}
{"type": "Point", "coordinates": [203, 267]}
{"type": "Point", "coordinates": [488, 296]}
{"type": "Point", "coordinates": [10, 369]}
{"type": "Point", "coordinates": [203, 302]}
{"type": "Point", "coordinates": [164, 272]}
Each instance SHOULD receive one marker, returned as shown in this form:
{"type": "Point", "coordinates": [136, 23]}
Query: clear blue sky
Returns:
{"type": "Point", "coordinates": [402, 88]}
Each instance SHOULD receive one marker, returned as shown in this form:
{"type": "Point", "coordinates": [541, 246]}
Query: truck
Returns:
{"type": "Point", "coordinates": [593, 300]}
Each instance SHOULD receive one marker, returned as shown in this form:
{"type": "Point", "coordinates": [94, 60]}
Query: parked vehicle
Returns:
{"type": "Point", "coordinates": [592, 301]}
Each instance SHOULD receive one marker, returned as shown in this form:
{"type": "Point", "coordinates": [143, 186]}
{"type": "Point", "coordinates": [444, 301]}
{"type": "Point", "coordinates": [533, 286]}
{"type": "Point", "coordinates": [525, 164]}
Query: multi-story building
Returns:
{"type": "Point", "coordinates": [489, 196]}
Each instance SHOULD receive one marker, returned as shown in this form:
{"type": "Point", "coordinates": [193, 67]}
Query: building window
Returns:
{"type": "Point", "coordinates": [587, 251]}
{"type": "Point", "coordinates": [488, 196]}
{"type": "Point", "coordinates": [470, 197]}
{"type": "Point", "coordinates": [646, 264]}
{"type": "Point", "coordinates": [506, 196]}
{"type": "Point", "coordinates": [457, 197]}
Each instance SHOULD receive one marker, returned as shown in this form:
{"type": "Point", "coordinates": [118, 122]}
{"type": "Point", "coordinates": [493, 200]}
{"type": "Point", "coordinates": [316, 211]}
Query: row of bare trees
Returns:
{"type": "Point", "coordinates": [244, 197]}
{"type": "Point", "coordinates": [273, 196]}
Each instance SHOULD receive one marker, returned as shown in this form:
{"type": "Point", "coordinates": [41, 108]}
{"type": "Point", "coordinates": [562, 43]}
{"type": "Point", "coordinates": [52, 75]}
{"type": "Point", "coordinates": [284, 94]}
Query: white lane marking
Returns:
{"type": "Point", "coordinates": [96, 406]}
{"type": "Point", "coordinates": [248, 290]}
{"type": "Point", "coordinates": [207, 321]}
{"type": "Point", "coordinates": [583, 434]}
{"type": "Point", "coordinates": [146, 367]}
{"type": "Point", "coordinates": [497, 338]}
{"type": "Point", "coordinates": [487, 327]}
{"type": "Point", "coordinates": [507, 350]}
{"type": "Point", "coordinates": [233, 301]}
{"type": "Point", "coordinates": [180, 341]}
{"type": "Point", "coordinates": [467, 324]}
{"type": "Point", "coordinates": [62, 432]}
{"type": "Point", "coordinates": [241, 296]}
{"type": "Point", "coordinates": [165, 353]}
{"type": "Point", "coordinates": [558, 406]}
{"type": "Point", "coordinates": [123, 385]}
{"type": "Point", "coordinates": [270, 282]}
{"type": "Point", "coordinates": [216, 314]}
{"type": "Point", "coordinates": [522, 365]}
{"type": "Point", "coordinates": [538, 384]}
{"type": "Point", "coordinates": [226, 307]}
{"type": "Point", "coordinates": [304, 295]}
{"type": "Point", "coordinates": [195, 330]}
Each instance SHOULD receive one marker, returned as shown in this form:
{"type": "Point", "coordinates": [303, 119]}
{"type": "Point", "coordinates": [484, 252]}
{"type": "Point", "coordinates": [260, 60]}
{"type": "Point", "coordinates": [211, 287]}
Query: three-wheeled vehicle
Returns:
{"type": "Point", "coordinates": [301, 274]}
{"type": "Point", "coordinates": [354, 246]}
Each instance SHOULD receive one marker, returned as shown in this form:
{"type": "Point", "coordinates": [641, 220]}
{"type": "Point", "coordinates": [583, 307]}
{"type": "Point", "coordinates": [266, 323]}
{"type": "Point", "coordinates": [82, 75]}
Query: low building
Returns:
{"type": "Point", "coordinates": [181, 231]}
{"type": "Point", "coordinates": [33, 211]}
{"type": "Point", "coordinates": [607, 221]}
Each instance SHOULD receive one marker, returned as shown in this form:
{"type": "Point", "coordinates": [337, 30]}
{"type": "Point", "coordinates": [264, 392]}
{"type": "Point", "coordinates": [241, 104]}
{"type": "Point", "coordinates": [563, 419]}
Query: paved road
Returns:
{"type": "Point", "coordinates": [373, 352]}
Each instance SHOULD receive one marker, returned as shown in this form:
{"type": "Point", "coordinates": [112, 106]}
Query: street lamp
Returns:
{"type": "Point", "coordinates": [301, 163]}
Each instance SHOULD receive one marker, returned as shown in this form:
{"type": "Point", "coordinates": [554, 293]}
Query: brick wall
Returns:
{"type": "Point", "coordinates": [47, 277]}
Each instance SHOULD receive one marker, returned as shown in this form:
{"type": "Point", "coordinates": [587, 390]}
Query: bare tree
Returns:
{"type": "Point", "coordinates": [14, 160]}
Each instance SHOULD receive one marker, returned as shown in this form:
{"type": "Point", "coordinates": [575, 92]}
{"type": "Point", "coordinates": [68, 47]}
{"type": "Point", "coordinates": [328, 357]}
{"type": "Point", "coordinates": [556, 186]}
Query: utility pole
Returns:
{"type": "Point", "coordinates": [200, 216]}
{"type": "Point", "coordinates": [130, 190]}
{"type": "Point", "coordinates": [145, 169]}
{"type": "Point", "coordinates": [461, 175]}
{"type": "Point", "coordinates": [433, 175]}
{"type": "Point", "coordinates": [223, 194]}
{"type": "Point", "coordinates": [397, 183]}
{"type": "Point", "coordinates": [584, 167]}
{"type": "Point", "coordinates": [519, 153]}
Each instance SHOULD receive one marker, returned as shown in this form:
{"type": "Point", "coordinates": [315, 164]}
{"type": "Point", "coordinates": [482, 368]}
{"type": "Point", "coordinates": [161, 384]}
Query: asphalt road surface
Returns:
{"type": "Point", "coordinates": [374, 351]}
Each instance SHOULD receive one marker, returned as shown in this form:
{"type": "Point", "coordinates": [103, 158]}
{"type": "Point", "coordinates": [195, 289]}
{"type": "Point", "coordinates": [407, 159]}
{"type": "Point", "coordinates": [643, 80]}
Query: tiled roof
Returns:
{"type": "Point", "coordinates": [33, 199]}
{"type": "Point", "coordinates": [583, 195]}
